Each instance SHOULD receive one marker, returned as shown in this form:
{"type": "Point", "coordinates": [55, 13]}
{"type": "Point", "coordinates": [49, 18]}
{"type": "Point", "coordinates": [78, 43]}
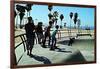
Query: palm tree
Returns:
{"type": "Point", "coordinates": [75, 19]}
{"type": "Point", "coordinates": [61, 18]}
{"type": "Point", "coordinates": [71, 15]}
{"type": "Point", "coordinates": [64, 25]}
{"type": "Point", "coordinates": [20, 8]}
{"type": "Point", "coordinates": [55, 15]}
{"type": "Point", "coordinates": [15, 14]}
{"type": "Point", "coordinates": [18, 11]}
{"type": "Point", "coordinates": [28, 8]}
{"type": "Point", "coordinates": [50, 16]}
{"type": "Point", "coordinates": [21, 11]}
{"type": "Point", "coordinates": [21, 17]}
{"type": "Point", "coordinates": [36, 20]}
{"type": "Point", "coordinates": [50, 8]}
{"type": "Point", "coordinates": [78, 23]}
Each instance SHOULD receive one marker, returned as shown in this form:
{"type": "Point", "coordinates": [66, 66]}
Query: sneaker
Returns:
{"type": "Point", "coordinates": [52, 49]}
{"type": "Point", "coordinates": [27, 53]}
{"type": "Point", "coordinates": [43, 46]}
{"type": "Point", "coordinates": [56, 47]}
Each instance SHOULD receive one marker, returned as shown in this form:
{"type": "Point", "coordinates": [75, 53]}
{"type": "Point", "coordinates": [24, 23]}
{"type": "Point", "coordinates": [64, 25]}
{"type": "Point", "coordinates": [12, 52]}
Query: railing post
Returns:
{"type": "Point", "coordinates": [59, 34]}
{"type": "Point", "coordinates": [15, 63]}
{"type": "Point", "coordinates": [13, 59]}
{"type": "Point", "coordinates": [23, 43]}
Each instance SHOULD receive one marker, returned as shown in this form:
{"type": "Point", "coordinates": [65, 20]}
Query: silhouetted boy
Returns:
{"type": "Point", "coordinates": [39, 32]}
{"type": "Point", "coordinates": [30, 35]}
{"type": "Point", "coordinates": [47, 34]}
{"type": "Point", "coordinates": [71, 41]}
{"type": "Point", "coordinates": [53, 36]}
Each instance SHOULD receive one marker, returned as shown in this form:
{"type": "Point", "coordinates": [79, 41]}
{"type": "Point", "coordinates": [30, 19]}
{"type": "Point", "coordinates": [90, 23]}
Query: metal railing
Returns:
{"type": "Point", "coordinates": [23, 41]}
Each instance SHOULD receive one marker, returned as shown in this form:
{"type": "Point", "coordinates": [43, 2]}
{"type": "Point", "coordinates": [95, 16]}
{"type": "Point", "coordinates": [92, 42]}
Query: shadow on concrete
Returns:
{"type": "Point", "coordinates": [65, 42]}
{"type": "Point", "coordinates": [41, 59]}
{"type": "Point", "coordinates": [76, 57]}
{"type": "Point", "coordinates": [63, 50]}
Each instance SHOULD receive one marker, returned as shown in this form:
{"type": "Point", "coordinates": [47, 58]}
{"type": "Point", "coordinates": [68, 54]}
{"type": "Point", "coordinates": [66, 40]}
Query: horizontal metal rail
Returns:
{"type": "Point", "coordinates": [23, 41]}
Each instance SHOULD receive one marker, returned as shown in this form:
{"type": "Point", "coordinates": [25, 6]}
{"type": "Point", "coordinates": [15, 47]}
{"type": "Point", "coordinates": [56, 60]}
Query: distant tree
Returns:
{"type": "Point", "coordinates": [21, 17]}
{"type": "Point", "coordinates": [29, 8]}
{"type": "Point", "coordinates": [55, 15]}
{"type": "Point", "coordinates": [50, 8]}
{"type": "Point", "coordinates": [61, 18]}
{"type": "Point", "coordinates": [88, 29]}
{"type": "Point", "coordinates": [50, 16]}
{"type": "Point", "coordinates": [71, 15]}
{"type": "Point", "coordinates": [64, 25]}
{"type": "Point", "coordinates": [15, 15]}
{"type": "Point", "coordinates": [20, 8]}
{"type": "Point", "coordinates": [21, 11]}
{"type": "Point", "coordinates": [56, 20]}
{"type": "Point", "coordinates": [78, 23]}
{"type": "Point", "coordinates": [75, 19]}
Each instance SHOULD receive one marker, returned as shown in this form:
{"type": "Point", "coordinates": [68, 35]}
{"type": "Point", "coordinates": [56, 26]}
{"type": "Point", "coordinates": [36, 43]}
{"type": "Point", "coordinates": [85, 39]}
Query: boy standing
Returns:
{"type": "Point", "coordinates": [30, 35]}
{"type": "Point", "coordinates": [53, 36]}
{"type": "Point", "coordinates": [47, 34]}
{"type": "Point", "coordinates": [39, 32]}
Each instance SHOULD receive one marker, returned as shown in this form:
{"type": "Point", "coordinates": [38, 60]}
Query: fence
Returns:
{"type": "Point", "coordinates": [23, 43]}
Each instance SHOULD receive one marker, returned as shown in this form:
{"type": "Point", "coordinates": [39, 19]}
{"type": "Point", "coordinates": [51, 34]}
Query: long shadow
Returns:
{"type": "Point", "coordinates": [77, 57]}
{"type": "Point", "coordinates": [41, 59]}
{"type": "Point", "coordinates": [62, 50]}
{"type": "Point", "coordinates": [65, 42]}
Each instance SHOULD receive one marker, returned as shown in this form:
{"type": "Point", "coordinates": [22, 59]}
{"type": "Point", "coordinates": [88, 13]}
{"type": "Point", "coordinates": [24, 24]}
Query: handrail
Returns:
{"type": "Point", "coordinates": [22, 36]}
{"type": "Point", "coordinates": [19, 35]}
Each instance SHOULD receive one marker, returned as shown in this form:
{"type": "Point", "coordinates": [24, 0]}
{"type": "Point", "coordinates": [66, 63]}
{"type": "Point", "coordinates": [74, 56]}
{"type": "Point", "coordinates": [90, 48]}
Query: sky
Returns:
{"type": "Point", "coordinates": [40, 13]}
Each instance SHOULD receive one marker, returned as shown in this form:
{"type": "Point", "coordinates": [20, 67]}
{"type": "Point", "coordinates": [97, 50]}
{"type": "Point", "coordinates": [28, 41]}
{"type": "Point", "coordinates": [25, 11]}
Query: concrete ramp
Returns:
{"type": "Point", "coordinates": [76, 57]}
{"type": "Point", "coordinates": [41, 55]}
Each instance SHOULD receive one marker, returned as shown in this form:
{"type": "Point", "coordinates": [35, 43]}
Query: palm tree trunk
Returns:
{"type": "Point", "coordinates": [70, 28]}
{"type": "Point", "coordinates": [55, 22]}
{"type": "Point", "coordinates": [20, 24]}
{"type": "Point", "coordinates": [75, 26]}
{"type": "Point", "coordinates": [78, 29]}
{"type": "Point", "coordinates": [16, 21]}
{"type": "Point", "coordinates": [29, 13]}
{"type": "Point", "coordinates": [61, 25]}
